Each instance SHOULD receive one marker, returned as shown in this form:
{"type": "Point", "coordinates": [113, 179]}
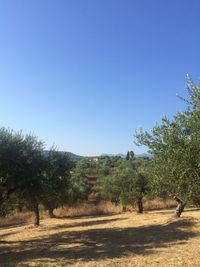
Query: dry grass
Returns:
{"type": "Point", "coordinates": [82, 209]}
{"type": "Point", "coordinates": [159, 204]}
{"type": "Point", "coordinates": [87, 209]}
{"type": "Point", "coordinates": [21, 218]}
{"type": "Point", "coordinates": [127, 239]}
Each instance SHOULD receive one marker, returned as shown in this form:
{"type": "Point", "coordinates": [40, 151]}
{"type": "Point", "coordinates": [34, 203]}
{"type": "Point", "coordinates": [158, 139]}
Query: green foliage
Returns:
{"type": "Point", "coordinates": [84, 163]}
{"type": "Point", "coordinates": [131, 153]}
{"type": "Point", "coordinates": [127, 185]}
{"type": "Point", "coordinates": [30, 176]}
{"type": "Point", "coordinates": [57, 180]}
{"type": "Point", "coordinates": [105, 165]}
{"type": "Point", "coordinates": [21, 169]}
{"type": "Point", "coordinates": [78, 186]}
{"type": "Point", "coordinates": [175, 145]}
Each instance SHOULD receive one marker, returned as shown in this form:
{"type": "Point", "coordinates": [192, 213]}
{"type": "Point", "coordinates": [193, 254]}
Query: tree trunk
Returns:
{"type": "Point", "coordinates": [37, 215]}
{"type": "Point", "coordinates": [124, 208]}
{"type": "Point", "coordinates": [140, 205]}
{"type": "Point", "coordinates": [51, 215]}
{"type": "Point", "coordinates": [180, 207]}
{"type": "Point", "coordinates": [2, 211]}
{"type": "Point", "coordinates": [20, 208]}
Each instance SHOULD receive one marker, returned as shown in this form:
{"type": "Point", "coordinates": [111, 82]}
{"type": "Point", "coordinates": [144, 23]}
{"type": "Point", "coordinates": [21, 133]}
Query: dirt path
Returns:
{"type": "Point", "coordinates": [128, 239]}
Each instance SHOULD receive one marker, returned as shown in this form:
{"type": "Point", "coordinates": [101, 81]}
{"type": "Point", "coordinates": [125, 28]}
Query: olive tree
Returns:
{"type": "Point", "coordinates": [128, 184]}
{"type": "Point", "coordinates": [57, 180]}
{"type": "Point", "coordinates": [175, 146]}
{"type": "Point", "coordinates": [22, 167]}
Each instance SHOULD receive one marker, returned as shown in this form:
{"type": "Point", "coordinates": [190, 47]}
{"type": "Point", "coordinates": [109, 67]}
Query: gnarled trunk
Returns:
{"type": "Point", "coordinates": [180, 207]}
{"type": "Point", "coordinates": [37, 215]}
{"type": "Point", "coordinates": [140, 205]}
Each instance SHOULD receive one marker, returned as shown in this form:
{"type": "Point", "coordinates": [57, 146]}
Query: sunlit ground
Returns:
{"type": "Point", "coordinates": [128, 239]}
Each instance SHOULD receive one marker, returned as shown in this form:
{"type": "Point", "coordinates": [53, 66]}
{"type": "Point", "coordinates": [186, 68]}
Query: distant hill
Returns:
{"type": "Point", "coordinates": [70, 154]}
{"type": "Point", "coordinates": [123, 155]}
{"type": "Point", "coordinates": [74, 156]}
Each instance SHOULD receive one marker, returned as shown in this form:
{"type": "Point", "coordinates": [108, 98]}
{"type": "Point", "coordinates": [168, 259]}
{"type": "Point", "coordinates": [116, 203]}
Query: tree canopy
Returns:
{"type": "Point", "coordinates": [127, 184]}
{"type": "Point", "coordinates": [175, 145]}
{"type": "Point", "coordinates": [30, 176]}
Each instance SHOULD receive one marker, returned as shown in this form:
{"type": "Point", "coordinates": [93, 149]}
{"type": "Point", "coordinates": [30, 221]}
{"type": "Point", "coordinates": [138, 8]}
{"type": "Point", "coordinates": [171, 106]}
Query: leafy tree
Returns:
{"type": "Point", "coordinates": [30, 176]}
{"type": "Point", "coordinates": [21, 170]}
{"type": "Point", "coordinates": [109, 189]}
{"type": "Point", "coordinates": [126, 185]}
{"type": "Point", "coordinates": [103, 166]}
{"type": "Point", "coordinates": [57, 180]}
{"type": "Point", "coordinates": [78, 186]}
{"type": "Point", "coordinates": [175, 145]}
{"type": "Point", "coordinates": [85, 163]}
{"type": "Point", "coordinates": [10, 144]}
{"type": "Point", "coordinates": [31, 186]}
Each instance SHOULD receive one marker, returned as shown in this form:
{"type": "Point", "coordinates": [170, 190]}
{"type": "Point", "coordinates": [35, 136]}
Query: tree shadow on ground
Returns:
{"type": "Point", "coordinates": [96, 244]}
{"type": "Point", "coordinates": [171, 211]}
{"type": "Point", "coordinates": [191, 209]}
{"type": "Point", "coordinates": [7, 234]}
{"type": "Point", "coordinates": [85, 224]}
{"type": "Point", "coordinates": [87, 216]}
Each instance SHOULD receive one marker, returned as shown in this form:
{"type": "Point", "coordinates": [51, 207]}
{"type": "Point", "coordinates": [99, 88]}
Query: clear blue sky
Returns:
{"type": "Point", "coordinates": [85, 74]}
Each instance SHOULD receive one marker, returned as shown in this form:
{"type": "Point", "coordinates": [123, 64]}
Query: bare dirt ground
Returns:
{"type": "Point", "coordinates": [128, 239]}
